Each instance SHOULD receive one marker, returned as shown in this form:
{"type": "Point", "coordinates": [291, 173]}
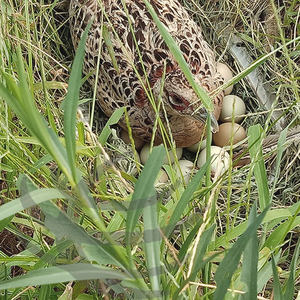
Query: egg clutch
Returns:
{"type": "Point", "coordinates": [230, 133]}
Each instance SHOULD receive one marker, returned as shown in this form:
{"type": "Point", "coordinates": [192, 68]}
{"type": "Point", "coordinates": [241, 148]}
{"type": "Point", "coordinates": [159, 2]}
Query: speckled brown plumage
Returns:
{"type": "Point", "coordinates": [142, 56]}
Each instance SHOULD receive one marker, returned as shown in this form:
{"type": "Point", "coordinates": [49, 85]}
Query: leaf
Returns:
{"type": "Point", "coordinates": [232, 258]}
{"type": "Point", "coordinates": [265, 273]}
{"type": "Point", "coordinates": [110, 47]}
{"type": "Point", "coordinates": [290, 283]}
{"type": "Point", "coordinates": [276, 283]}
{"type": "Point", "coordinates": [62, 273]}
{"type": "Point", "coordinates": [28, 200]}
{"type": "Point", "coordinates": [187, 242]}
{"type": "Point", "coordinates": [280, 148]}
{"type": "Point", "coordinates": [50, 256]}
{"type": "Point", "coordinates": [198, 262]}
{"type": "Point", "coordinates": [256, 154]}
{"type": "Point", "coordinates": [250, 262]}
{"type": "Point", "coordinates": [152, 241]}
{"type": "Point", "coordinates": [278, 235]}
{"type": "Point", "coordinates": [114, 119]}
{"type": "Point", "coordinates": [71, 102]}
{"type": "Point", "coordinates": [174, 215]}
{"type": "Point", "coordinates": [68, 292]}
{"type": "Point", "coordinates": [59, 223]}
{"type": "Point", "coordinates": [144, 193]}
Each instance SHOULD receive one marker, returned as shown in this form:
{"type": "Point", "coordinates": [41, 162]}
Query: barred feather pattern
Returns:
{"type": "Point", "coordinates": [143, 59]}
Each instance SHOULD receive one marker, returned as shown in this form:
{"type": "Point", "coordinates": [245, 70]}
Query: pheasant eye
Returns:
{"type": "Point", "coordinates": [175, 100]}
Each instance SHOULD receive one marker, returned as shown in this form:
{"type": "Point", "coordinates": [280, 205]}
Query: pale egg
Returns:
{"type": "Point", "coordinates": [224, 70]}
{"type": "Point", "coordinates": [144, 154]}
{"type": "Point", "coordinates": [219, 162]}
{"type": "Point", "coordinates": [228, 131]}
{"type": "Point", "coordinates": [162, 177]}
{"type": "Point", "coordinates": [233, 106]}
{"type": "Point", "coordinates": [194, 148]}
{"type": "Point", "coordinates": [186, 167]}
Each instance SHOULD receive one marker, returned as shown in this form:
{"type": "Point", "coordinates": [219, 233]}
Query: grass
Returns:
{"type": "Point", "coordinates": [107, 234]}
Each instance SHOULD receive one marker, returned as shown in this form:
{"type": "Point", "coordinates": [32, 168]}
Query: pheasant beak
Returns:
{"type": "Point", "coordinates": [202, 116]}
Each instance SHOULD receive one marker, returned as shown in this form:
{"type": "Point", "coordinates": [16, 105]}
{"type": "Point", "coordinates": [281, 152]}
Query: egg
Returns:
{"type": "Point", "coordinates": [194, 148]}
{"type": "Point", "coordinates": [233, 106]}
{"type": "Point", "coordinates": [224, 70]}
{"type": "Point", "coordinates": [219, 162]}
{"type": "Point", "coordinates": [162, 177]}
{"type": "Point", "coordinates": [137, 142]}
{"type": "Point", "coordinates": [226, 130]}
{"type": "Point", "coordinates": [186, 167]}
{"type": "Point", "coordinates": [144, 154]}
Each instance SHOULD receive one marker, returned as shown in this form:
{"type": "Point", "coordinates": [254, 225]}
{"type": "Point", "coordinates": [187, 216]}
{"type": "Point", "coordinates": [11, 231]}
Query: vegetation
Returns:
{"type": "Point", "coordinates": [75, 226]}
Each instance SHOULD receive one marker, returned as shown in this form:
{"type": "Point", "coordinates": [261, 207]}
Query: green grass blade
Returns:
{"type": "Point", "coordinates": [180, 59]}
{"type": "Point", "coordinates": [28, 200]}
{"type": "Point", "coordinates": [278, 235]}
{"type": "Point", "coordinates": [114, 119]}
{"type": "Point", "coordinates": [71, 102]}
{"type": "Point", "coordinates": [49, 257]}
{"type": "Point", "coordinates": [63, 273]}
{"type": "Point", "coordinates": [290, 284]}
{"type": "Point", "coordinates": [276, 283]}
{"type": "Point", "coordinates": [188, 240]}
{"type": "Point", "coordinates": [201, 249]}
{"type": "Point", "coordinates": [231, 260]}
{"type": "Point", "coordinates": [152, 241]}
{"type": "Point", "coordinates": [144, 193]}
{"type": "Point", "coordinates": [265, 273]}
{"type": "Point", "coordinates": [250, 262]}
{"type": "Point", "coordinates": [59, 223]}
{"type": "Point", "coordinates": [255, 149]}
{"type": "Point", "coordinates": [4, 222]}
{"type": "Point", "coordinates": [174, 215]}
{"type": "Point", "coordinates": [280, 149]}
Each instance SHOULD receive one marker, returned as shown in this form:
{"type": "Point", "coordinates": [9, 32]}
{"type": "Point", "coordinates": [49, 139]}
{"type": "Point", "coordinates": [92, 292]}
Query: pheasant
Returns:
{"type": "Point", "coordinates": [135, 60]}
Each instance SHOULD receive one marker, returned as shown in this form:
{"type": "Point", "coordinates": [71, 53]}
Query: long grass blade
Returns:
{"type": "Point", "coordinates": [265, 273]}
{"type": "Point", "coordinates": [88, 247]}
{"type": "Point", "coordinates": [152, 241]}
{"type": "Point", "coordinates": [114, 119]}
{"type": "Point", "coordinates": [290, 283]}
{"type": "Point", "coordinates": [280, 149]}
{"type": "Point", "coordinates": [144, 193]}
{"type": "Point", "coordinates": [28, 200]}
{"type": "Point", "coordinates": [174, 216]}
{"type": "Point", "coordinates": [201, 249]}
{"type": "Point", "coordinates": [250, 261]}
{"type": "Point", "coordinates": [63, 273]}
{"type": "Point", "coordinates": [232, 258]}
{"type": "Point", "coordinates": [71, 102]}
{"type": "Point", "coordinates": [256, 154]}
{"type": "Point", "coordinates": [276, 283]}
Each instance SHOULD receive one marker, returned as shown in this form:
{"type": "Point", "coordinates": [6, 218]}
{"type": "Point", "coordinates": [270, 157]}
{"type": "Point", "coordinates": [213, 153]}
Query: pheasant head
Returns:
{"type": "Point", "coordinates": [180, 99]}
